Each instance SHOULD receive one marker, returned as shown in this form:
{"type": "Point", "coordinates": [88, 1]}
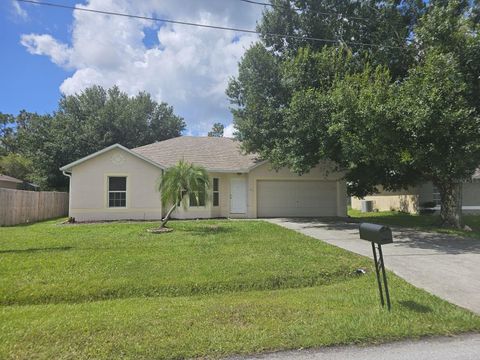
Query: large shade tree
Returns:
{"type": "Point", "coordinates": [16, 165]}
{"type": "Point", "coordinates": [369, 108]}
{"type": "Point", "coordinates": [441, 129]}
{"type": "Point", "coordinates": [85, 123]}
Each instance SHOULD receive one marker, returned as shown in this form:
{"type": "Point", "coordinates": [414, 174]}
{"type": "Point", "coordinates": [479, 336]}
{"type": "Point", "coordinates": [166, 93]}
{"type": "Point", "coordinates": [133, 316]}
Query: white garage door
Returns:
{"type": "Point", "coordinates": [296, 198]}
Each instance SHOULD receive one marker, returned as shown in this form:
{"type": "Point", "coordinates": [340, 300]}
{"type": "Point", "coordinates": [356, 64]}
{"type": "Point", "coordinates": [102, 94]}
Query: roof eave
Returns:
{"type": "Point", "coordinates": [111, 147]}
{"type": "Point", "coordinates": [260, 163]}
{"type": "Point", "coordinates": [229, 171]}
{"type": "Point", "coordinates": [235, 171]}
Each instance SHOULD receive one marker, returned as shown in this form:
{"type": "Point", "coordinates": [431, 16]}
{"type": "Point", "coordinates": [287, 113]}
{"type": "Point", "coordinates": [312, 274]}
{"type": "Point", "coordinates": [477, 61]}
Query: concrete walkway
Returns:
{"type": "Point", "coordinates": [444, 265]}
{"type": "Point", "coordinates": [464, 347]}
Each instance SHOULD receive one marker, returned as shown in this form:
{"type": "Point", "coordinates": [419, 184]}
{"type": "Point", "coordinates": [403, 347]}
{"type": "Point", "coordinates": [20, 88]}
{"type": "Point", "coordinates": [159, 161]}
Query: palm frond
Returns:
{"type": "Point", "coordinates": [182, 180]}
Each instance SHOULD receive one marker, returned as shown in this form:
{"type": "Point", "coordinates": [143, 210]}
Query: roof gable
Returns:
{"type": "Point", "coordinates": [114, 146]}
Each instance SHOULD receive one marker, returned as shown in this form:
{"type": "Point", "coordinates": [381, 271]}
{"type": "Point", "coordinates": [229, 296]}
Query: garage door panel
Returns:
{"type": "Point", "coordinates": [296, 198]}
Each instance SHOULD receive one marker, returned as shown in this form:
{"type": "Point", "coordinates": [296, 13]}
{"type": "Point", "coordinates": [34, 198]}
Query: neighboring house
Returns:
{"type": "Point", "coordinates": [8, 182]}
{"type": "Point", "coordinates": [423, 196]}
{"type": "Point", "coordinates": [120, 183]}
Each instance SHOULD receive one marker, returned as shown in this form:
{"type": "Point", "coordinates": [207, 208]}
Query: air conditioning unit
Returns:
{"type": "Point", "coordinates": [367, 206]}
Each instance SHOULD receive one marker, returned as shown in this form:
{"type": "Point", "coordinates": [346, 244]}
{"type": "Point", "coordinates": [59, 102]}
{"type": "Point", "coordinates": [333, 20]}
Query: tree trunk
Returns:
{"type": "Point", "coordinates": [167, 217]}
{"type": "Point", "coordinates": [169, 213]}
{"type": "Point", "coordinates": [451, 205]}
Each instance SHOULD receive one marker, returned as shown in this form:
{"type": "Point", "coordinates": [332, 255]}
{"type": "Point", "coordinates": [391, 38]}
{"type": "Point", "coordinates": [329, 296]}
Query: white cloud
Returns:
{"type": "Point", "coordinates": [229, 130]}
{"type": "Point", "coordinates": [36, 44]}
{"type": "Point", "coordinates": [188, 68]}
{"type": "Point", "coordinates": [19, 11]}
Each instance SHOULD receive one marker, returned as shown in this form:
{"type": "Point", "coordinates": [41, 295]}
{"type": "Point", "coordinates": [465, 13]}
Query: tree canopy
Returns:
{"type": "Point", "coordinates": [85, 123]}
{"type": "Point", "coordinates": [7, 134]}
{"type": "Point", "coordinates": [393, 100]}
{"type": "Point", "coordinates": [217, 130]}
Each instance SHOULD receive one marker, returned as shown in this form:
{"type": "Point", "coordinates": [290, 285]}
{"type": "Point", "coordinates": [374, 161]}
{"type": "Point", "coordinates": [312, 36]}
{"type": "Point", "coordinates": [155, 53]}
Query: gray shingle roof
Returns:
{"type": "Point", "coordinates": [214, 153]}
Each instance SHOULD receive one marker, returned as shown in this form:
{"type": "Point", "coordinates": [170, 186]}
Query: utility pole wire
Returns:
{"type": "Point", "coordinates": [225, 28]}
{"type": "Point", "coordinates": [298, 9]}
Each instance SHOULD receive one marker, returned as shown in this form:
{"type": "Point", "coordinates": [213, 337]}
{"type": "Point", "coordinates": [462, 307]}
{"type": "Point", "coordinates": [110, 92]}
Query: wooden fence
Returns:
{"type": "Point", "coordinates": [22, 207]}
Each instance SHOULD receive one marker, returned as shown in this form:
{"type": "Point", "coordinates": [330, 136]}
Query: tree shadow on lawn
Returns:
{"type": "Point", "coordinates": [34, 250]}
{"type": "Point", "coordinates": [414, 306]}
{"type": "Point", "coordinates": [209, 230]}
{"type": "Point", "coordinates": [442, 243]}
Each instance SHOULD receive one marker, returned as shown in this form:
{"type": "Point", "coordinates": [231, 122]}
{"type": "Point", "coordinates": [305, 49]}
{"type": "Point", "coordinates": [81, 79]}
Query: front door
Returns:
{"type": "Point", "coordinates": [238, 196]}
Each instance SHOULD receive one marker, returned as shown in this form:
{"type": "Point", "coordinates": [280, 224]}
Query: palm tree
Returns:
{"type": "Point", "coordinates": [179, 182]}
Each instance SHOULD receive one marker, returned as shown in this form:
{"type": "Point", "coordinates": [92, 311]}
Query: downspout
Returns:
{"type": "Point", "coordinates": [69, 175]}
{"type": "Point", "coordinates": [161, 205]}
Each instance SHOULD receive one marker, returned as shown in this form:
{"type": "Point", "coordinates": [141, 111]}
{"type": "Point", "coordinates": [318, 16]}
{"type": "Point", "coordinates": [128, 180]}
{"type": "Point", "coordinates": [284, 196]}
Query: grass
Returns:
{"type": "Point", "coordinates": [422, 222]}
{"type": "Point", "coordinates": [210, 288]}
{"type": "Point", "coordinates": [46, 263]}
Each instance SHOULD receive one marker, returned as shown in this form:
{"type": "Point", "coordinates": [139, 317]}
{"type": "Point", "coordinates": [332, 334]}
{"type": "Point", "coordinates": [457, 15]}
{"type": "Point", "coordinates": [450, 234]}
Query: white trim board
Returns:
{"type": "Point", "coordinates": [111, 147]}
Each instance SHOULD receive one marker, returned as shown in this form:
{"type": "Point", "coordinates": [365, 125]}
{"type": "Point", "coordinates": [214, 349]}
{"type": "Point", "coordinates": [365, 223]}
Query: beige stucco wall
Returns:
{"type": "Point", "coordinates": [8, 185]}
{"type": "Point", "coordinates": [402, 200]}
{"type": "Point", "coordinates": [322, 172]}
{"type": "Point", "coordinates": [412, 199]}
{"type": "Point", "coordinates": [209, 211]}
{"type": "Point", "coordinates": [89, 188]}
{"type": "Point", "coordinates": [404, 203]}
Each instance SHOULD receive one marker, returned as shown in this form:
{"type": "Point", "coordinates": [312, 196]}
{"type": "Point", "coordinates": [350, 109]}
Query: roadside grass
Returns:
{"type": "Point", "coordinates": [208, 289]}
{"type": "Point", "coordinates": [414, 221]}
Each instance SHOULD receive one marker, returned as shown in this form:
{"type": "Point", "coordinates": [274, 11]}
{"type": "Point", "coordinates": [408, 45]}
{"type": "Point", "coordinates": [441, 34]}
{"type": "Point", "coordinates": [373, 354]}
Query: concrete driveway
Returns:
{"type": "Point", "coordinates": [463, 347]}
{"type": "Point", "coordinates": [444, 265]}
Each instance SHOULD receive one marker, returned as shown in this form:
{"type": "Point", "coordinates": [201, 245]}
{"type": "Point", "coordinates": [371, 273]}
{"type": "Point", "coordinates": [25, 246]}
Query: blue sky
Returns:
{"type": "Point", "coordinates": [47, 51]}
{"type": "Point", "coordinates": [30, 82]}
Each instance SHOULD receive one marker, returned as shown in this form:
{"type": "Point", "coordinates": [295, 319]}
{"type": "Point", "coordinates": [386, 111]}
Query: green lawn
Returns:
{"type": "Point", "coordinates": [424, 222]}
{"type": "Point", "coordinates": [210, 288]}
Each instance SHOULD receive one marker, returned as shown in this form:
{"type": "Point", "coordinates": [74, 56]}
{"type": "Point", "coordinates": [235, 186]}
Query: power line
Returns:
{"type": "Point", "coordinates": [186, 23]}
{"type": "Point", "coordinates": [257, 2]}
{"type": "Point", "coordinates": [299, 9]}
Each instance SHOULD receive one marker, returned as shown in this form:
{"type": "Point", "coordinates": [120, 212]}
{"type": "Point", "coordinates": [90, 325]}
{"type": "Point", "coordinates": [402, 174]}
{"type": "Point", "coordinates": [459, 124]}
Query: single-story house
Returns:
{"type": "Point", "coordinates": [9, 182]}
{"type": "Point", "coordinates": [119, 183]}
{"type": "Point", "coordinates": [422, 196]}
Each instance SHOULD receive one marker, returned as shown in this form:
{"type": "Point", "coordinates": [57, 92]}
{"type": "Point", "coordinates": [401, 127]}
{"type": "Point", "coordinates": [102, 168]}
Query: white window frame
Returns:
{"type": "Point", "coordinates": [215, 191]}
{"type": "Point", "coordinates": [107, 181]}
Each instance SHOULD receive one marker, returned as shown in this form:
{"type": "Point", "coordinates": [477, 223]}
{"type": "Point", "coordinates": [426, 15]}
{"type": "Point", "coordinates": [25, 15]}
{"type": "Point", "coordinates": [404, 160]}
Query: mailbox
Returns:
{"type": "Point", "coordinates": [377, 234]}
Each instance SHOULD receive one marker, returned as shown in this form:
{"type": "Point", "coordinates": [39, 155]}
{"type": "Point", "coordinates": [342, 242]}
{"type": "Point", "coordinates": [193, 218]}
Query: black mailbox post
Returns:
{"type": "Point", "coordinates": [378, 235]}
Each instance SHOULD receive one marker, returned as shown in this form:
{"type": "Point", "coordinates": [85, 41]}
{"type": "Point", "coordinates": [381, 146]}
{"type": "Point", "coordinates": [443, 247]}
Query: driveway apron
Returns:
{"type": "Point", "coordinates": [463, 347]}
